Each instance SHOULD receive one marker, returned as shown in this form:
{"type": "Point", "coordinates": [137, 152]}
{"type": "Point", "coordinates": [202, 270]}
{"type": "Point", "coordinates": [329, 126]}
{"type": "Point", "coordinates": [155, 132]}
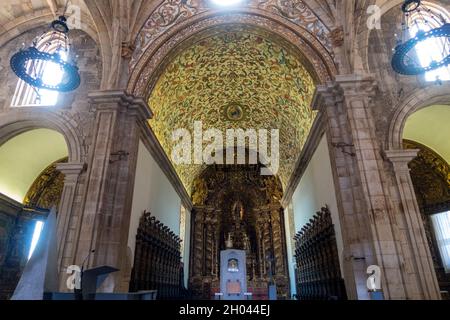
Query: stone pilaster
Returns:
{"type": "Point", "coordinates": [419, 260]}
{"type": "Point", "coordinates": [66, 219]}
{"type": "Point", "coordinates": [119, 120]}
{"type": "Point", "coordinates": [372, 231]}
{"type": "Point", "coordinates": [358, 250]}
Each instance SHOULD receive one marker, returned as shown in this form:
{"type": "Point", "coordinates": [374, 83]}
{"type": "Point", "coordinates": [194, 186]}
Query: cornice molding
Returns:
{"type": "Point", "coordinates": [105, 99]}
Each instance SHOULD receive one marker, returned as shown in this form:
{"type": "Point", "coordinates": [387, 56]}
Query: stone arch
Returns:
{"type": "Point", "coordinates": [385, 6]}
{"type": "Point", "coordinates": [364, 33]}
{"type": "Point", "coordinates": [150, 65]}
{"type": "Point", "coordinates": [16, 122]}
{"type": "Point", "coordinates": [420, 99]}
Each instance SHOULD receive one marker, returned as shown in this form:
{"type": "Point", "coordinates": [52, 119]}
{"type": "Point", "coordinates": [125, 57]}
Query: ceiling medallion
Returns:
{"type": "Point", "coordinates": [405, 60]}
{"type": "Point", "coordinates": [234, 112]}
{"type": "Point", "coordinates": [51, 48]}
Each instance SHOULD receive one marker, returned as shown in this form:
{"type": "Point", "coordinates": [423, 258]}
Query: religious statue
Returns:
{"type": "Point", "coordinates": [233, 265]}
{"type": "Point", "coordinates": [238, 211]}
{"type": "Point", "coordinates": [229, 242]}
{"type": "Point", "coordinates": [246, 241]}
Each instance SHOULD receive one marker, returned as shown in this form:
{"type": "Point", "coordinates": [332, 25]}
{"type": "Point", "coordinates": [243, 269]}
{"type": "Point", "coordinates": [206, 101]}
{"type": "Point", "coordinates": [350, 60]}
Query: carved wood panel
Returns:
{"type": "Point", "coordinates": [157, 260]}
{"type": "Point", "coordinates": [318, 274]}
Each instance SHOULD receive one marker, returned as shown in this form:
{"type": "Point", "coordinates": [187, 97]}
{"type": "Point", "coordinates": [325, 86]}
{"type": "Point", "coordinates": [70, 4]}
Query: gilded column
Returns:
{"type": "Point", "coordinates": [209, 246]}
{"type": "Point", "coordinates": [197, 252]}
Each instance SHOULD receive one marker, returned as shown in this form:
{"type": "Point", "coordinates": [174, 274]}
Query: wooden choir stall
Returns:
{"type": "Point", "coordinates": [318, 274]}
{"type": "Point", "coordinates": [157, 262]}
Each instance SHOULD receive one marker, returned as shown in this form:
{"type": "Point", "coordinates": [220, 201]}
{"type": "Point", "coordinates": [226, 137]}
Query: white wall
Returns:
{"type": "Point", "coordinates": [187, 248]}
{"type": "Point", "coordinates": [290, 252]}
{"type": "Point", "coordinates": [153, 192]}
{"type": "Point", "coordinates": [315, 190]}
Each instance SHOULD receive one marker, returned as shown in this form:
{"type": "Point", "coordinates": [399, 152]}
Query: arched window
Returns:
{"type": "Point", "coordinates": [434, 49]}
{"type": "Point", "coordinates": [26, 95]}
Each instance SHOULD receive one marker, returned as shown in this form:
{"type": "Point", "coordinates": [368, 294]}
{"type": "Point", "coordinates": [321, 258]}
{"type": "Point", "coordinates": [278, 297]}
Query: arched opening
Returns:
{"type": "Point", "coordinates": [427, 130]}
{"type": "Point", "coordinates": [221, 82]}
{"type": "Point", "coordinates": [29, 186]}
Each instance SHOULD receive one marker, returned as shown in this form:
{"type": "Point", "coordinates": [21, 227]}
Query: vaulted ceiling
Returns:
{"type": "Point", "coordinates": [235, 69]}
{"type": "Point", "coordinates": [18, 15]}
{"type": "Point", "coordinates": [270, 85]}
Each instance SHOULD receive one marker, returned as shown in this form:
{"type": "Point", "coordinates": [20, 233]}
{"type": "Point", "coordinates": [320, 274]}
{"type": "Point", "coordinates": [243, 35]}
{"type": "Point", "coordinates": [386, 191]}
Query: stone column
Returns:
{"type": "Point", "coordinates": [66, 223]}
{"type": "Point", "coordinates": [357, 243]}
{"type": "Point", "coordinates": [119, 120]}
{"type": "Point", "coordinates": [420, 261]}
{"type": "Point", "coordinates": [371, 228]}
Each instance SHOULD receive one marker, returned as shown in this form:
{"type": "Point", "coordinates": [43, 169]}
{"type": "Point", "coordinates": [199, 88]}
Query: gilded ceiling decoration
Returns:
{"type": "Point", "coordinates": [173, 12]}
{"type": "Point", "coordinates": [235, 79]}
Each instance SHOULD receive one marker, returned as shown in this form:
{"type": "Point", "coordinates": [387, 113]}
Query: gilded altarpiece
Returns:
{"type": "Point", "coordinates": [46, 190]}
{"type": "Point", "coordinates": [238, 203]}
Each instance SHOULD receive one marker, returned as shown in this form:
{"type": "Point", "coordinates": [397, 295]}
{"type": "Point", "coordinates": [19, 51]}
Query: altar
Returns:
{"type": "Point", "coordinates": [233, 275]}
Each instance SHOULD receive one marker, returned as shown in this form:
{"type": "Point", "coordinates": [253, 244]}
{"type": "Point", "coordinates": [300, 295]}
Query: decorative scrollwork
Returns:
{"type": "Point", "coordinates": [46, 190]}
{"type": "Point", "coordinates": [431, 177]}
{"type": "Point", "coordinates": [172, 12]}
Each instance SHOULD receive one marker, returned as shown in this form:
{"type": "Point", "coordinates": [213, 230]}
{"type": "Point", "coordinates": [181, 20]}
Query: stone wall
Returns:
{"type": "Point", "coordinates": [89, 63]}
{"type": "Point", "coordinates": [73, 116]}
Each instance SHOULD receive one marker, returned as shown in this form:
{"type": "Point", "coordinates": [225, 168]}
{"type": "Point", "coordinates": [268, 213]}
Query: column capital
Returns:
{"type": "Point", "coordinates": [344, 86]}
{"type": "Point", "coordinates": [70, 168]}
{"type": "Point", "coordinates": [111, 99]}
{"type": "Point", "coordinates": [401, 157]}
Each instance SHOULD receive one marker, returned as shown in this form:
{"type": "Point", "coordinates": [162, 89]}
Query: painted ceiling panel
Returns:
{"type": "Point", "coordinates": [235, 79]}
